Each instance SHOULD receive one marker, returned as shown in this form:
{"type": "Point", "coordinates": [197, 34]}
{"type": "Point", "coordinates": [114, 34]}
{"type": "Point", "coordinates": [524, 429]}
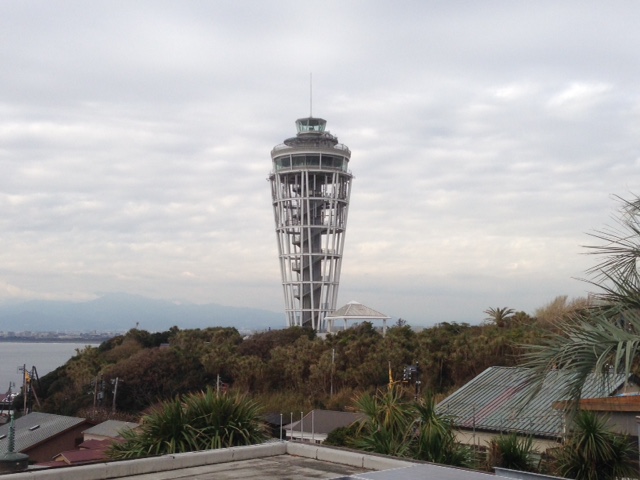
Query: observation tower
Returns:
{"type": "Point", "coordinates": [310, 188]}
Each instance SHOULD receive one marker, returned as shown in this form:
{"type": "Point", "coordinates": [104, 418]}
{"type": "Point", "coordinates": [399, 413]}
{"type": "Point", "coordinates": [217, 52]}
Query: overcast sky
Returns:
{"type": "Point", "coordinates": [487, 141]}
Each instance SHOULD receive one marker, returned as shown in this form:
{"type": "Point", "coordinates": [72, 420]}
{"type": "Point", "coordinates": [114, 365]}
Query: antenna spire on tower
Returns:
{"type": "Point", "coordinates": [311, 94]}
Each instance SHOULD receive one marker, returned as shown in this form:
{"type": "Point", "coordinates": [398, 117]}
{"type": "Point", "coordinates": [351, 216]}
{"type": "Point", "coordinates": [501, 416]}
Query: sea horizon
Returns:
{"type": "Point", "coordinates": [44, 354]}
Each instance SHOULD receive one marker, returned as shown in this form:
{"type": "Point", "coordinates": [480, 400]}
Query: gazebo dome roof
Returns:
{"type": "Point", "coordinates": [355, 310]}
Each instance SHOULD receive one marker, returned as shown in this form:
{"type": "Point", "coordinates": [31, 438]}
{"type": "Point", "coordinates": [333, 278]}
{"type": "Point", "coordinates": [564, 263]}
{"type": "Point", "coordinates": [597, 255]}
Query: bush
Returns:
{"type": "Point", "coordinates": [200, 421]}
{"type": "Point", "coordinates": [513, 452]}
{"type": "Point", "coordinates": [342, 436]}
{"type": "Point", "coordinates": [594, 453]}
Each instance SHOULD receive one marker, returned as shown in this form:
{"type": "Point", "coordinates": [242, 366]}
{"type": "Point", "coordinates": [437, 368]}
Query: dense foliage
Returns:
{"type": "Point", "coordinates": [152, 367]}
{"type": "Point", "coordinates": [393, 425]}
{"type": "Point", "coordinates": [512, 452]}
{"type": "Point", "coordinates": [198, 421]}
{"type": "Point", "coordinates": [594, 453]}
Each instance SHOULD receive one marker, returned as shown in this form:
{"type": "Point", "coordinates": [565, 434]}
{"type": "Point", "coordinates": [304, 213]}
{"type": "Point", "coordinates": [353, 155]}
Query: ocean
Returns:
{"type": "Point", "coordinates": [45, 356]}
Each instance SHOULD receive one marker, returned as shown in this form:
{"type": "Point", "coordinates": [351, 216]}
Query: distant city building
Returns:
{"type": "Point", "coordinates": [310, 188]}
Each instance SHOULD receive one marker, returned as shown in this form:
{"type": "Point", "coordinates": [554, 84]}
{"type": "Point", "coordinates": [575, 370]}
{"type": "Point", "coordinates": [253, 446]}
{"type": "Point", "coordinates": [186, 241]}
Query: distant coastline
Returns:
{"type": "Point", "coordinates": [91, 339]}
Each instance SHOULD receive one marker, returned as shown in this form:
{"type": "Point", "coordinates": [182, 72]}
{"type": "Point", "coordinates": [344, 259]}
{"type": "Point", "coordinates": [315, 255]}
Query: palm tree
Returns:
{"type": "Point", "coordinates": [606, 335]}
{"type": "Point", "coordinates": [385, 426]}
{"type": "Point", "coordinates": [435, 439]}
{"type": "Point", "coordinates": [198, 421]}
{"type": "Point", "coordinates": [393, 426]}
{"type": "Point", "coordinates": [593, 453]}
{"type": "Point", "coordinates": [500, 316]}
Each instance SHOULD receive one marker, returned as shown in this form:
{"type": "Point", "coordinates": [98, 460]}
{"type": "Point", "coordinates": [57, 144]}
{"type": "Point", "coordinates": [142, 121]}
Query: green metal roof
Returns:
{"type": "Point", "coordinates": [493, 401]}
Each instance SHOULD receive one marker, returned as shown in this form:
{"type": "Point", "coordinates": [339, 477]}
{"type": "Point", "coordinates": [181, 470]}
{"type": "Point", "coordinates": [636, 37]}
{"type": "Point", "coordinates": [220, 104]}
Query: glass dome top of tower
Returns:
{"type": "Point", "coordinates": [311, 125]}
{"type": "Point", "coordinates": [311, 134]}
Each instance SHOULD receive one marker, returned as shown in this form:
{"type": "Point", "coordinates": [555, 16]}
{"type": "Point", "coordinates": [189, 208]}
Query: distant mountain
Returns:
{"type": "Point", "coordinates": [121, 312]}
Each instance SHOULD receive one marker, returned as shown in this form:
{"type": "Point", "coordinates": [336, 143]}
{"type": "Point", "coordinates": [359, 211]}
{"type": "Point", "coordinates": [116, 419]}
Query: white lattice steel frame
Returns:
{"type": "Point", "coordinates": [310, 188]}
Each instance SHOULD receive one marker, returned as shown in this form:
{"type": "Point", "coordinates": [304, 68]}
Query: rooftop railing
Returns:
{"type": "Point", "coordinates": [338, 146]}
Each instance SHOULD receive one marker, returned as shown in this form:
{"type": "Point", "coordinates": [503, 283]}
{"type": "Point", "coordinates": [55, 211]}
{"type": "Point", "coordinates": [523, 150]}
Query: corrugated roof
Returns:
{"type": "Point", "coordinates": [493, 401]}
{"type": "Point", "coordinates": [357, 311]}
{"type": "Point", "coordinates": [36, 427]}
{"type": "Point", "coordinates": [110, 428]}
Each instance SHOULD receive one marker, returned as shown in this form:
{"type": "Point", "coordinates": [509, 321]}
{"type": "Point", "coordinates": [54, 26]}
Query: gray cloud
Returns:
{"type": "Point", "coordinates": [487, 140]}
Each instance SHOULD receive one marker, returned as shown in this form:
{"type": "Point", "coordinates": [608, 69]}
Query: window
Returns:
{"type": "Point", "coordinates": [283, 162]}
{"type": "Point", "coordinates": [328, 161]}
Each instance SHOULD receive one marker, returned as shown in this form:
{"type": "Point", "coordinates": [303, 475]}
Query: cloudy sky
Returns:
{"type": "Point", "coordinates": [487, 141]}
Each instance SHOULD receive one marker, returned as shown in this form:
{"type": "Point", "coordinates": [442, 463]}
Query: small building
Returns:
{"type": "Point", "coordinates": [108, 430]}
{"type": "Point", "coordinates": [620, 412]}
{"type": "Point", "coordinates": [79, 457]}
{"type": "Point", "coordinates": [97, 441]}
{"type": "Point", "coordinates": [43, 435]}
{"type": "Point", "coordinates": [317, 424]}
{"type": "Point", "coordinates": [355, 311]}
{"type": "Point", "coordinates": [493, 403]}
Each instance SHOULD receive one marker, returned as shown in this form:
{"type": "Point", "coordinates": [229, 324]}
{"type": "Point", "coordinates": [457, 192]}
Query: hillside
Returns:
{"type": "Point", "coordinates": [121, 312]}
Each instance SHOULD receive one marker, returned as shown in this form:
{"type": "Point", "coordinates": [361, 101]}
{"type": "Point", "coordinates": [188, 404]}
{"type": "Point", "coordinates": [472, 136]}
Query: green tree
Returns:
{"type": "Point", "coordinates": [593, 453]}
{"type": "Point", "coordinates": [198, 421]}
{"type": "Point", "coordinates": [290, 366]}
{"type": "Point", "coordinates": [155, 374]}
{"type": "Point", "coordinates": [248, 374]}
{"type": "Point", "coordinates": [261, 344]}
{"type": "Point", "coordinates": [358, 363]}
{"type": "Point", "coordinates": [448, 356]}
{"type": "Point", "coordinates": [500, 316]}
{"type": "Point", "coordinates": [85, 366]}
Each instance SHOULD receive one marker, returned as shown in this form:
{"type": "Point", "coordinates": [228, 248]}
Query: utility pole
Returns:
{"type": "Point", "coordinates": [96, 385]}
{"type": "Point", "coordinates": [32, 388]}
{"type": "Point", "coordinates": [115, 393]}
{"type": "Point", "coordinates": [333, 360]}
{"type": "Point", "coordinates": [24, 388]}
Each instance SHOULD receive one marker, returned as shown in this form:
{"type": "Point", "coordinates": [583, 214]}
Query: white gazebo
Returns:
{"type": "Point", "coordinates": [356, 311]}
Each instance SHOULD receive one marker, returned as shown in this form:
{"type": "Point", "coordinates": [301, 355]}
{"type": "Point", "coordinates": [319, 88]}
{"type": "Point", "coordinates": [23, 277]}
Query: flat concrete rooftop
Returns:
{"type": "Point", "coordinates": [278, 467]}
{"type": "Point", "coordinates": [278, 460]}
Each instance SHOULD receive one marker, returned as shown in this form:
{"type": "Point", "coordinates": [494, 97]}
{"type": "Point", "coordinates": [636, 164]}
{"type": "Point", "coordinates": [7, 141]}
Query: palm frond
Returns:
{"type": "Point", "coordinates": [606, 336]}
{"type": "Point", "coordinates": [597, 344]}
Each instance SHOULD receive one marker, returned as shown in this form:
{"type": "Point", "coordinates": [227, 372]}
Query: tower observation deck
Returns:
{"type": "Point", "coordinates": [310, 189]}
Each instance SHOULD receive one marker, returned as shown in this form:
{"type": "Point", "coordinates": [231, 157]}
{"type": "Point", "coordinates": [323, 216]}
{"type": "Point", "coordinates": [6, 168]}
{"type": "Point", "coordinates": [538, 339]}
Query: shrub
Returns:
{"type": "Point", "coordinates": [200, 421]}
